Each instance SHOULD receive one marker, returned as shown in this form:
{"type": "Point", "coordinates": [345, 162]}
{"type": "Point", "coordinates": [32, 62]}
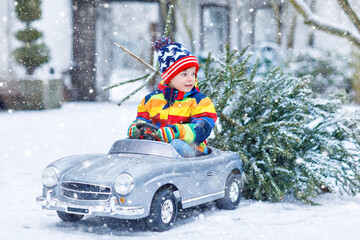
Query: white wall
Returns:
{"type": "Point", "coordinates": [56, 25]}
{"type": "Point", "coordinates": [6, 19]}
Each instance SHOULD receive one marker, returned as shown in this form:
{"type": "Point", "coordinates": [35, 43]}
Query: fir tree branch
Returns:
{"type": "Point", "coordinates": [131, 94]}
{"type": "Point", "coordinates": [168, 20]}
{"type": "Point", "coordinates": [154, 69]}
{"type": "Point", "coordinates": [125, 82]}
{"type": "Point", "coordinates": [138, 89]}
{"type": "Point", "coordinates": [231, 121]}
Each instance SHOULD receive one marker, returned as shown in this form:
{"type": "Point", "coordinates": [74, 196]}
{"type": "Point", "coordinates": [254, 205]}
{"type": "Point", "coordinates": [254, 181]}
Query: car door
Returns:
{"type": "Point", "coordinates": [208, 172]}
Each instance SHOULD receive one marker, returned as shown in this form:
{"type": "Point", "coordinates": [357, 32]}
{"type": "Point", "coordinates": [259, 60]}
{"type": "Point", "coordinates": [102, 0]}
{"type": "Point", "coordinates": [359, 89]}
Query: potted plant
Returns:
{"type": "Point", "coordinates": [36, 93]}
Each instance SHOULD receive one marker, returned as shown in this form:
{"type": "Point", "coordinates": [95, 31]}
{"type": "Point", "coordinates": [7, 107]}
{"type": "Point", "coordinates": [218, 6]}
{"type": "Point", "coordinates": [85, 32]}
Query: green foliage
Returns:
{"type": "Point", "coordinates": [32, 54]}
{"type": "Point", "coordinates": [289, 141]}
{"type": "Point", "coordinates": [28, 35]}
{"type": "Point", "coordinates": [28, 10]}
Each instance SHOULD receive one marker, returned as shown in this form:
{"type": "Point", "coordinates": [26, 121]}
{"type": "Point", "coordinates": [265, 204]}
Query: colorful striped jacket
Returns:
{"type": "Point", "coordinates": [191, 115]}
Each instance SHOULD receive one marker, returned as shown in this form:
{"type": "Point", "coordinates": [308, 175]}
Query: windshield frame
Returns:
{"type": "Point", "coordinates": [143, 147]}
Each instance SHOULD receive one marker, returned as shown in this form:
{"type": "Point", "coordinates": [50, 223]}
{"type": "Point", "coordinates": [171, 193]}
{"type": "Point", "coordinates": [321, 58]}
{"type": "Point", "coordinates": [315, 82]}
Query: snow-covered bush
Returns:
{"type": "Point", "coordinates": [32, 54]}
{"type": "Point", "coordinates": [289, 141]}
{"type": "Point", "coordinates": [330, 70]}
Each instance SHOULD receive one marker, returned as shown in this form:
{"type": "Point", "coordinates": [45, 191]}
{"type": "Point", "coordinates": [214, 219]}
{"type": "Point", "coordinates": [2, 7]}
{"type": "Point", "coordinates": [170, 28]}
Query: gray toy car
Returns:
{"type": "Point", "coordinates": [140, 179]}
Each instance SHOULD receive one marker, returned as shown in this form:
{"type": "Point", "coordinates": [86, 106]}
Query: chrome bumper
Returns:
{"type": "Point", "coordinates": [112, 209]}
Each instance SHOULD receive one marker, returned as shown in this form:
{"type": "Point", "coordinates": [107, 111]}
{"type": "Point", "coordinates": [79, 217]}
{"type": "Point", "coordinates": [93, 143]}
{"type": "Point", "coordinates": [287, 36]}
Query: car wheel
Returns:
{"type": "Point", "coordinates": [69, 217]}
{"type": "Point", "coordinates": [163, 211]}
{"type": "Point", "coordinates": [232, 196]}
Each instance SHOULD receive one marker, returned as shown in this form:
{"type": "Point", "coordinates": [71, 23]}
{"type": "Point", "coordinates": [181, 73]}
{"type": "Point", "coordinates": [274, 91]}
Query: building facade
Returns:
{"type": "Point", "coordinates": [81, 35]}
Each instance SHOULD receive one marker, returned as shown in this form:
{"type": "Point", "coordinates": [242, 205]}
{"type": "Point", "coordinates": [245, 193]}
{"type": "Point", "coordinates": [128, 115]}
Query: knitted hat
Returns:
{"type": "Point", "coordinates": [173, 58]}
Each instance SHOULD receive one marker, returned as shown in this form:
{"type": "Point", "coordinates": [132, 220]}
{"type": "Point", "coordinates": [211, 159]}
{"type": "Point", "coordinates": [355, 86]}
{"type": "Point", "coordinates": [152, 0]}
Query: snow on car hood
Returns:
{"type": "Point", "coordinates": [104, 168]}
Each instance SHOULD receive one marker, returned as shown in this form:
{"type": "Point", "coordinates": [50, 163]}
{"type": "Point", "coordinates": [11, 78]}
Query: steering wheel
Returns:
{"type": "Point", "coordinates": [148, 131]}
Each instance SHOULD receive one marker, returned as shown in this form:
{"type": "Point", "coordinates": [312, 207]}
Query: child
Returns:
{"type": "Point", "coordinates": [185, 116]}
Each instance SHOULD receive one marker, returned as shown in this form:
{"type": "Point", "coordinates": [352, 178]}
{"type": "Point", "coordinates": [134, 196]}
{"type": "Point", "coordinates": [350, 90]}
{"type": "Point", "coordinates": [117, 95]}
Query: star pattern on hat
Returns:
{"type": "Point", "coordinates": [170, 54]}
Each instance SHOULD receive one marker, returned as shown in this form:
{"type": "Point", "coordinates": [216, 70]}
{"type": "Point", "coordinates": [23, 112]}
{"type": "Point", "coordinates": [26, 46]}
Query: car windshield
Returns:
{"type": "Point", "coordinates": [136, 146]}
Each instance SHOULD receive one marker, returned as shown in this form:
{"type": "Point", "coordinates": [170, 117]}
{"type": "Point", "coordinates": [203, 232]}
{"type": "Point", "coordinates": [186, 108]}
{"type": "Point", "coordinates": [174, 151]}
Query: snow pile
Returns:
{"type": "Point", "coordinates": [32, 139]}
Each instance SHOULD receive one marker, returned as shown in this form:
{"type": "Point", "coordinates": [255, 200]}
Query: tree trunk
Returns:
{"type": "Point", "coordinates": [291, 36]}
{"type": "Point", "coordinates": [311, 35]}
{"type": "Point", "coordinates": [276, 7]}
{"type": "Point", "coordinates": [84, 73]}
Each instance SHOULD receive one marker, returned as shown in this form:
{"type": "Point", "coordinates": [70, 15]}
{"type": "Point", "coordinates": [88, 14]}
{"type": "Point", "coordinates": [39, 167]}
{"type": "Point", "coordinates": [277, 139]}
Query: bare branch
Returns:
{"type": "Point", "coordinates": [136, 57]}
{"type": "Point", "coordinates": [344, 4]}
{"type": "Point", "coordinates": [332, 28]}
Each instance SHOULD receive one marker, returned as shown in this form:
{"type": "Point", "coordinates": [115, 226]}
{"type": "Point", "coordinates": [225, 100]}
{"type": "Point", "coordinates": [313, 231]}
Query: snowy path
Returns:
{"type": "Point", "coordinates": [30, 140]}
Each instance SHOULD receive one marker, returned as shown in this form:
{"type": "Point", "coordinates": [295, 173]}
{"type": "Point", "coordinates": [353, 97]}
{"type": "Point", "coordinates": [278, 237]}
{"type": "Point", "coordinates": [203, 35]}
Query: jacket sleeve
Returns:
{"type": "Point", "coordinates": [142, 116]}
{"type": "Point", "coordinates": [201, 123]}
{"type": "Point", "coordinates": [142, 113]}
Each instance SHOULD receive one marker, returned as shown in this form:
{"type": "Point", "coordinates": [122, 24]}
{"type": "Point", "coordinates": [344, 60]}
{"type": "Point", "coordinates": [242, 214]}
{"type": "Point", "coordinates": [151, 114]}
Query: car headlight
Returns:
{"type": "Point", "coordinates": [124, 183]}
{"type": "Point", "coordinates": [50, 176]}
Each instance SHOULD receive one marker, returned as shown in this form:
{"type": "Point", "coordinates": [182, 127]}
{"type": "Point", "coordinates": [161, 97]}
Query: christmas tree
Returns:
{"type": "Point", "coordinates": [290, 141]}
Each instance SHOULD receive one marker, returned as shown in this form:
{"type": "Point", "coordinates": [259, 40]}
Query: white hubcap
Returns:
{"type": "Point", "coordinates": [167, 211]}
{"type": "Point", "coordinates": [234, 191]}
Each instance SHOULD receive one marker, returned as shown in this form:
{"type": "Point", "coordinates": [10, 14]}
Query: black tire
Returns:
{"type": "Point", "coordinates": [69, 217]}
{"type": "Point", "coordinates": [232, 196]}
{"type": "Point", "coordinates": [163, 211]}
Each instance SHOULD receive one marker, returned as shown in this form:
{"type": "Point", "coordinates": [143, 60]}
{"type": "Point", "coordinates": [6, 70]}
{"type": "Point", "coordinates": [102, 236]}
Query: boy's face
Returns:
{"type": "Point", "coordinates": [185, 80]}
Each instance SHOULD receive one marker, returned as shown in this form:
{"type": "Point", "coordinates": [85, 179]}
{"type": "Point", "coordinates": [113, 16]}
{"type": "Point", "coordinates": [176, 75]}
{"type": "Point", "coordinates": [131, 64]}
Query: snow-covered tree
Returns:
{"type": "Point", "coordinates": [331, 71]}
{"type": "Point", "coordinates": [352, 33]}
{"type": "Point", "coordinates": [289, 141]}
{"type": "Point", "coordinates": [32, 54]}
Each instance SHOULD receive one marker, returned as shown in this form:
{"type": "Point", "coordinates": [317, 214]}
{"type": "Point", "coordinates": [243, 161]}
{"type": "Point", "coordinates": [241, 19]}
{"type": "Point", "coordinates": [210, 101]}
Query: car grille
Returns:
{"type": "Point", "coordinates": [83, 191]}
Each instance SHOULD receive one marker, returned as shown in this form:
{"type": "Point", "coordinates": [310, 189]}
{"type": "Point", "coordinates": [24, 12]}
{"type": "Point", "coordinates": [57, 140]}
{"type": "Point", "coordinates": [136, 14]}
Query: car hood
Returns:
{"type": "Point", "coordinates": [105, 168]}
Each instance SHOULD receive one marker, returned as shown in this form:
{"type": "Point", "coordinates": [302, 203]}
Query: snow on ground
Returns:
{"type": "Point", "coordinates": [29, 140]}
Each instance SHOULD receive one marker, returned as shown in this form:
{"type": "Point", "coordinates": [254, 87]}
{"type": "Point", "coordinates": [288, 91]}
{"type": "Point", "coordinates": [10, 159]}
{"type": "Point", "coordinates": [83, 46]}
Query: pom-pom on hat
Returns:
{"type": "Point", "coordinates": [173, 58]}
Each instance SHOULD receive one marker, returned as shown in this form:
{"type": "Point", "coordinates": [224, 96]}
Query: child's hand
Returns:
{"type": "Point", "coordinates": [148, 134]}
{"type": "Point", "coordinates": [133, 131]}
{"type": "Point", "coordinates": [166, 134]}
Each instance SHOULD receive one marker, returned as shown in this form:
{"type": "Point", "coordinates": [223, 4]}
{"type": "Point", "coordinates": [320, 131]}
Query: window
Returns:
{"type": "Point", "coordinates": [265, 25]}
{"type": "Point", "coordinates": [214, 28]}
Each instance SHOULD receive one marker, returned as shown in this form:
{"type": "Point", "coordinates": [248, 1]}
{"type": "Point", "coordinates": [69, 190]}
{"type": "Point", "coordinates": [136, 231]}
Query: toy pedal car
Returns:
{"type": "Point", "coordinates": [140, 179]}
